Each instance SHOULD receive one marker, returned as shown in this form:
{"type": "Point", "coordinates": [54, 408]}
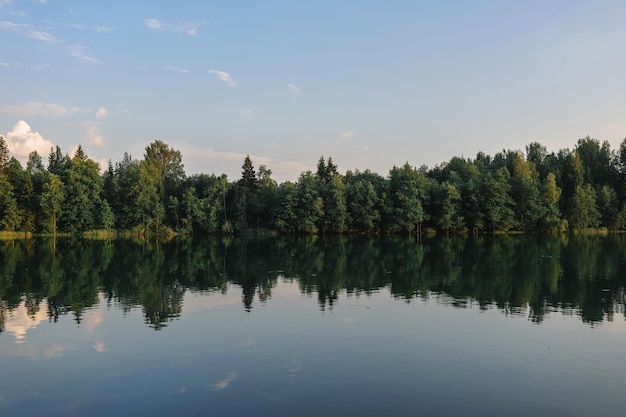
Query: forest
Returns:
{"type": "Point", "coordinates": [512, 191]}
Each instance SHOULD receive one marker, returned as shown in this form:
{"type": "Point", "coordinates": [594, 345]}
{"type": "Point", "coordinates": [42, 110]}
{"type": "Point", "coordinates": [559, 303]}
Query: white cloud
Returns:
{"type": "Point", "coordinates": [43, 1]}
{"type": "Point", "coordinates": [347, 134]}
{"type": "Point", "coordinates": [189, 28]}
{"type": "Point", "coordinates": [21, 141]}
{"type": "Point", "coordinates": [102, 113]}
{"type": "Point", "coordinates": [153, 24]}
{"type": "Point", "coordinates": [176, 69]}
{"type": "Point", "coordinates": [37, 108]}
{"type": "Point", "coordinates": [94, 137]}
{"type": "Point", "coordinates": [4, 3]}
{"type": "Point", "coordinates": [247, 113]}
{"type": "Point", "coordinates": [4, 64]}
{"type": "Point", "coordinates": [224, 76]}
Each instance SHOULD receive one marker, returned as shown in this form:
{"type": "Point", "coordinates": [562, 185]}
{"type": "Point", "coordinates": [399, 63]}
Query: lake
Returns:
{"type": "Point", "coordinates": [515, 326]}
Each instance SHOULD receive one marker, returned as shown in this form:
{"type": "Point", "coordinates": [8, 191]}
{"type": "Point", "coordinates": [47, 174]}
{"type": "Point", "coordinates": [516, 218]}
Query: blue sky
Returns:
{"type": "Point", "coordinates": [372, 84]}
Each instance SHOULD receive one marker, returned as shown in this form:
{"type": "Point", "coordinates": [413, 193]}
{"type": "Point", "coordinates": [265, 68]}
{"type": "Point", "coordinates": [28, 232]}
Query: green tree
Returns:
{"type": "Point", "coordinates": [106, 215]}
{"type": "Point", "coordinates": [287, 212]}
{"type": "Point", "coordinates": [52, 200]}
{"type": "Point", "coordinates": [146, 202]}
{"type": "Point", "coordinates": [550, 195]}
{"type": "Point", "coordinates": [362, 203]}
{"type": "Point", "coordinates": [58, 163]}
{"type": "Point", "coordinates": [608, 207]}
{"type": "Point", "coordinates": [165, 165]}
{"type": "Point", "coordinates": [583, 209]}
{"type": "Point", "coordinates": [407, 193]}
{"type": "Point", "coordinates": [310, 206]}
{"type": "Point", "coordinates": [83, 187]}
{"type": "Point", "coordinates": [4, 155]}
{"type": "Point", "coordinates": [525, 193]}
{"type": "Point", "coordinates": [447, 199]}
{"type": "Point", "coordinates": [9, 212]}
{"type": "Point", "coordinates": [497, 200]}
{"type": "Point", "coordinates": [34, 164]}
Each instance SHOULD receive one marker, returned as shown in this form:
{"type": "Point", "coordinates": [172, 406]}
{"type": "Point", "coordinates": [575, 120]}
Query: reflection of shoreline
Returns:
{"type": "Point", "coordinates": [518, 275]}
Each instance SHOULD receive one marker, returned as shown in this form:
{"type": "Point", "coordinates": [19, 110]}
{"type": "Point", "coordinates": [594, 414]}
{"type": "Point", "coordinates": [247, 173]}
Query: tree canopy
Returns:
{"type": "Point", "coordinates": [535, 191]}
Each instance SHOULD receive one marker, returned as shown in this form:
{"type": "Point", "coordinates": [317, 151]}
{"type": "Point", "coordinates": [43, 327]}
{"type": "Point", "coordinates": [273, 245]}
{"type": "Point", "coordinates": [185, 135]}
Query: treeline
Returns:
{"type": "Point", "coordinates": [511, 191]}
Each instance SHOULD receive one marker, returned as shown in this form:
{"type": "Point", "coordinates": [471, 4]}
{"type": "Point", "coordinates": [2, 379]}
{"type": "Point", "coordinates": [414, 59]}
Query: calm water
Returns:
{"type": "Point", "coordinates": [522, 326]}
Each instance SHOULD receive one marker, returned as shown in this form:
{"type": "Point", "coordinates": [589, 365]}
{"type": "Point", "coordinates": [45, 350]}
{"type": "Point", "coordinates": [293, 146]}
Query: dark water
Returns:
{"type": "Point", "coordinates": [511, 326]}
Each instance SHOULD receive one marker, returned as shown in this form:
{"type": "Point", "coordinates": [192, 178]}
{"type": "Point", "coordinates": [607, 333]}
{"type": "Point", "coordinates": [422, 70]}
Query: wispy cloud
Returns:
{"type": "Point", "coordinates": [176, 69]}
{"type": "Point", "coordinates": [42, 36]}
{"type": "Point", "coordinates": [73, 49]}
{"type": "Point", "coordinates": [189, 28]}
{"type": "Point", "coordinates": [27, 30]}
{"type": "Point", "coordinates": [4, 64]}
{"type": "Point", "coordinates": [4, 3]}
{"type": "Point", "coordinates": [224, 76]}
{"type": "Point", "coordinates": [294, 89]}
{"type": "Point", "coordinates": [79, 52]}
{"type": "Point", "coordinates": [347, 134]}
{"type": "Point", "coordinates": [37, 108]}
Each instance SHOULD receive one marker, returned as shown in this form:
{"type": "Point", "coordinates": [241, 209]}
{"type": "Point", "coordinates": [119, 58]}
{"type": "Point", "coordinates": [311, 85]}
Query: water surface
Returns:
{"type": "Point", "coordinates": [520, 326]}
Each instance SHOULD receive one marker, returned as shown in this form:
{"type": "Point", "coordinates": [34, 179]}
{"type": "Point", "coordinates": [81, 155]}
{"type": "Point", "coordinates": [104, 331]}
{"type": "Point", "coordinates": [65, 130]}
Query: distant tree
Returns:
{"type": "Point", "coordinates": [287, 211]}
{"type": "Point", "coordinates": [362, 204]}
{"type": "Point", "coordinates": [583, 209]}
{"type": "Point", "coordinates": [497, 200]}
{"type": "Point", "coordinates": [310, 206]}
{"type": "Point", "coordinates": [165, 165]}
{"type": "Point", "coordinates": [34, 164]}
{"type": "Point", "coordinates": [28, 204]}
{"type": "Point", "coordinates": [83, 187]}
{"type": "Point", "coordinates": [52, 200]}
{"type": "Point", "coordinates": [58, 163]}
{"type": "Point", "coordinates": [80, 154]}
{"type": "Point", "coordinates": [407, 193]}
{"type": "Point", "coordinates": [447, 199]}
{"type": "Point", "coordinates": [248, 174]}
{"type": "Point", "coordinates": [525, 193]}
{"type": "Point", "coordinates": [4, 155]}
{"type": "Point", "coordinates": [550, 195]}
{"type": "Point", "coordinates": [106, 217]}
{"type": "Point", "coordinates": [9, 212]}
{"type": "Point", "coordinates": [608, 206]}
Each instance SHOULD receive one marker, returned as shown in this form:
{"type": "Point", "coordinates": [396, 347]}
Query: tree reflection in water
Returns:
{"type": "Point", "coordinates": [533, 275]}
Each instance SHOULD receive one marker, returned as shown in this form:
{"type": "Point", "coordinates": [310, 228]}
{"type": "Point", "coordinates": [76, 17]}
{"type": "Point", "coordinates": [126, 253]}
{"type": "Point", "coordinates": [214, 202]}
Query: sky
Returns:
{"type": "Point", "coordinates": [372, 84]}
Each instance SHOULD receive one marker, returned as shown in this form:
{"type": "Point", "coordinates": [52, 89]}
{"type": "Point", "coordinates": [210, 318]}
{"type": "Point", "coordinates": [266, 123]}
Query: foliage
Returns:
{"type": "Point", "coordinates": [533, 192]}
